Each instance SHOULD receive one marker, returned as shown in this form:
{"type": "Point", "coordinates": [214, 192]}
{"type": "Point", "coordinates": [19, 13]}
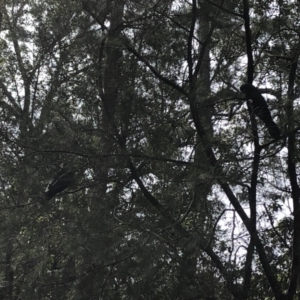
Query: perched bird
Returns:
{"type": "Point", "coordinates": [260, 108]}
{"type": "Point", "coordinates": [59, 182]}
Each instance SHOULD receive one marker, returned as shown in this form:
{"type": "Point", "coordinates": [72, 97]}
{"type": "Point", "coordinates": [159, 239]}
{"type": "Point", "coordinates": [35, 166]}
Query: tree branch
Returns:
{"type": "Point", "coordinates": [292, 171]}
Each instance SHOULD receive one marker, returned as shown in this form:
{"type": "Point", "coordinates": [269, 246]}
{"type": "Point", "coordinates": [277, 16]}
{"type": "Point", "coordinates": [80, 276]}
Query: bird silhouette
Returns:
{"type": "Point", "coordinates": [59, 182]}
{"type": "Point", "coordinates": [260, 108]}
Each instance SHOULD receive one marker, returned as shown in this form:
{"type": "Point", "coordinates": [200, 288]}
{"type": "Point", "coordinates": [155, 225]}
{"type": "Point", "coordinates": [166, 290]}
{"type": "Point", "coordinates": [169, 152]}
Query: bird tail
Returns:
{"type": "Point", "coordinates": [273, 130]}
{"type": "Point", "coordinates": [44, 198]}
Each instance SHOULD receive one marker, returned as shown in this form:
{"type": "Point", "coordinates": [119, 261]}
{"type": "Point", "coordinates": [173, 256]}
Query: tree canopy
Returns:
{"type": "Point", "coordinates": [179, 189]}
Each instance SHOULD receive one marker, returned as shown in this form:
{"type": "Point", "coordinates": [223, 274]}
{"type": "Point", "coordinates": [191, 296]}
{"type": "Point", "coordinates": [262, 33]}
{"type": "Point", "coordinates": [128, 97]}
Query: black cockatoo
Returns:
{"type": "Point", "coordinates": [260, 108]}
{"type": "Point", "coordinates": [59, 182]}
